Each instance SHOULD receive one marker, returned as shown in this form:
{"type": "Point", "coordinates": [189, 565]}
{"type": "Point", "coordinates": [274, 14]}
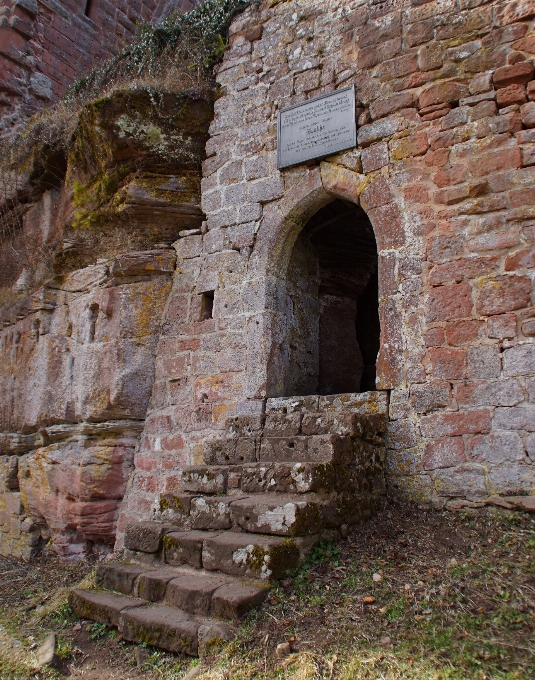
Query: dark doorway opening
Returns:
{"type": "Point", "coordinates": [333, 304]}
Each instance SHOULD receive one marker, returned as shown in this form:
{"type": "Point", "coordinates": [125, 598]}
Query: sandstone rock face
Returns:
{"type": "Point", "coordinates": [77, 376]}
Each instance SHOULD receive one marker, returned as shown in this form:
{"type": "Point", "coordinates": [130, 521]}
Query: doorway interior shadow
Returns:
{"type": "Point", "coordinates": [332, 304]}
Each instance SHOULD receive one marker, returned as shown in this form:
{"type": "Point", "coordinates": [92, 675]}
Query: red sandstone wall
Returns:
{"type": "Point", "coordinates": [45, 45]}
{"type": "Point", "coordinates": [445, 171]}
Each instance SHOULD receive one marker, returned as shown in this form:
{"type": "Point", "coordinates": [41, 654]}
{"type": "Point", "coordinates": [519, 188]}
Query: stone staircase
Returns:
{"type": "Point", "coordinates": [270, 490]}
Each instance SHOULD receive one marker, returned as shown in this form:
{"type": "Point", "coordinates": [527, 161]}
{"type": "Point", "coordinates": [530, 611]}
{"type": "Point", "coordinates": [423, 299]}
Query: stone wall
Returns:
{"type": "Point", "coordinates": [443, 174]}
{"type": "Point", "coordinates": [45, 45]}
{"type": "Point", "coordinates": [443, 170]}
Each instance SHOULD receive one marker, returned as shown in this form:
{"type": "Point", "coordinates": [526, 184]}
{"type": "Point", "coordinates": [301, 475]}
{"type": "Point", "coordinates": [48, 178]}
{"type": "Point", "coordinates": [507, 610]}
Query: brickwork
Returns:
{"type": "Point", "coordinates": [444, 171]}
{"type": "Point", "coordinates": [45, 45]}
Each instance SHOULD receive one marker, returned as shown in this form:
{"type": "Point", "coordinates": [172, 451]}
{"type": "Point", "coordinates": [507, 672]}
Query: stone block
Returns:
{"type": "Point", "coordinates": [465, 332]}
{"type": "Point", "coordinates": [465, 481]}
{"type": "Point", "coordinates": [429, 397]}
{"type": "Point", "coordinates": [444, 453]}
{"type": "Point", "coordinates": [503, 294]}
{"type": "Point", "coordinates": [282, 425]}
{"type": "Point", "coordinates": [231, 451]}
{"type": "Point", "coordinates": [413, 145]}
{"type": "Point", "coordinates": [193, 593]}
{"type": "Point", "coordinates": [175, 509]}
{"type": "Point", "coordinates": [118, 576]}
{"type": "Point", "coordinates": [211, 512]}
{"type": "Point", "coordinates": [277, 516]}
{"type": "Point", "coordinates": [341, 424]}
{"type": "Point", "coordinates": [446, 303]}
{"type": "Point", "coordinates": [237, 554]}
{"type": "Point", "coordinates": [163, 627]}
{"type": "Point", "coordinates": [419, 32]}
{"type": "Point", "coordinates": [151, 586]}
{"type": "Point", "coordinates": [496, 448]}
{"type": "Point", "coordinates": [102, 607]}
{"type": "Point", "coordinates": [455, 424]}
{"type": "Point", "coordinates": [326, 448]}
{"type": "Point", "coordinates": [447, 364]}
{"type": "Point", "coordinates": [510, 95]}
{"type": "Point", "coordinates": [502, 326]}
{"type": "Point", "coordinates": [234, 600]}
{"type": "Point", "coordinates": [519, 360]}
{"type": "Point", "coordinates": [145, 536]}
{"type": "Point", "coordinates": [203, 479]}
{"type": "Point", "coordinates": [440, 93]}
{"type": "Point", "coordinates": [511, 478]}
{"type": "Point", "coordinates": [185, 548]}
{"type": "Point", "coordinates": [515, 418]}
{"type": "Point", "coordinates": [287, 478]}
{"type": "Point", "coordinates": [374, 157]}
{"type": "Point", "coordinates": [518, 74]}
{"type": "Point", "coordinates": [527, 113]}
{"type": "Point", "coordinates": [387, 105]}
{"type": "Point", "coordinates": [484, 361]}
{"type": "Point", "coordinates": [489, 393]}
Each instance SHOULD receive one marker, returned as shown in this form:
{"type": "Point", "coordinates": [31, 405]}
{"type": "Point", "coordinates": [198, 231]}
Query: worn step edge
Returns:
{"type": "Point", "coordinates": [180, 587]}
{"type": "Point", "coordinates": [162, 626]}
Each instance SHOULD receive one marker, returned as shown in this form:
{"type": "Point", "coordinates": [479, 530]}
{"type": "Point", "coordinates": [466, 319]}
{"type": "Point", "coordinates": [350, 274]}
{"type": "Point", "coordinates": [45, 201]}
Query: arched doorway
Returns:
{"type": "Point", "coordinates": [332, 335]}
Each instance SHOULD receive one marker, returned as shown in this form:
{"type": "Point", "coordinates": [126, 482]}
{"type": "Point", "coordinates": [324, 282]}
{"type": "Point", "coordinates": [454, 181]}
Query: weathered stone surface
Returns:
{"type": "Point", "coordinates": [101, 606]}
{"type": "Point", "coordinates": [204, 479]}
{"type": "Point", "coordinates": [151, 586]}
{"type": "Point", "coordinates": [118, 577]}
{"type": "Point", "coordinates": [287, 477]}
{"type": "Point", "coordinates": [160, 626]}
{"type": "Point", "coordinates": [212, 512]}
{"type": "Point", "coordinates": [234, 600]}
{"type": "Point", "coordinates": [325, 449]}
{"type": "Point", "coordinates": [193, 593]}
{"type": "Point", "coordinates": [277, 515]}
{"type": "Point", "coordinates": [264, 557]}
{"type": "Point", "coordinates": [185, 547]}
{"type": "Point", "coordinates": [146, 536]}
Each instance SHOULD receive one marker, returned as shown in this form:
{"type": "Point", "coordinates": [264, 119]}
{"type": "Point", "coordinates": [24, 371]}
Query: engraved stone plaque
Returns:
{"type": "Point", "coordinates": [319, 127]}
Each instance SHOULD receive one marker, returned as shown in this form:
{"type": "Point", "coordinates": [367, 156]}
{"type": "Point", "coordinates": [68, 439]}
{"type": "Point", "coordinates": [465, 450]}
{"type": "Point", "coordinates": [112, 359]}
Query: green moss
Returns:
{"type": "Point", "coordinates": [171, 503]}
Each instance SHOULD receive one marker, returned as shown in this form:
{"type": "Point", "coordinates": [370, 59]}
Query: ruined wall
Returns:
{"type": "Point", "coordinates": [45, 45]}
{"type": "Point", "coordinates": [444, 171]}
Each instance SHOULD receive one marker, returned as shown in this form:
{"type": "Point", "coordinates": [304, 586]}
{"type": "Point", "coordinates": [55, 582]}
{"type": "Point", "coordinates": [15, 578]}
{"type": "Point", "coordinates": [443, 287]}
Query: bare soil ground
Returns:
{"type": "Point", "coordinates": [410, 594]}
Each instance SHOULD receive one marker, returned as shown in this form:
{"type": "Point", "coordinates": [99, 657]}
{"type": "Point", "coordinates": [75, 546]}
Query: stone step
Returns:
{"type": "Point", "coordinates": [282, 477]}
{"type": "Point", "coordinates": [193, 591]}
{"type": "Point", "coordinates": [278, 515]}
{"type": "Point", "coordinates": [221, 453]}
{"type": "Point", "coordinates": [263, 513]}
{"type": "Point", "coordinates": [197, 549]}
{"type": "Point", "coordinates": [254, 556]}
{"type": "Point", "coordinates": [159, 625]}
{"type": "Point", "coordinates": [363, 403]}
{"type": "Point", "coordinates": [329, 448]}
